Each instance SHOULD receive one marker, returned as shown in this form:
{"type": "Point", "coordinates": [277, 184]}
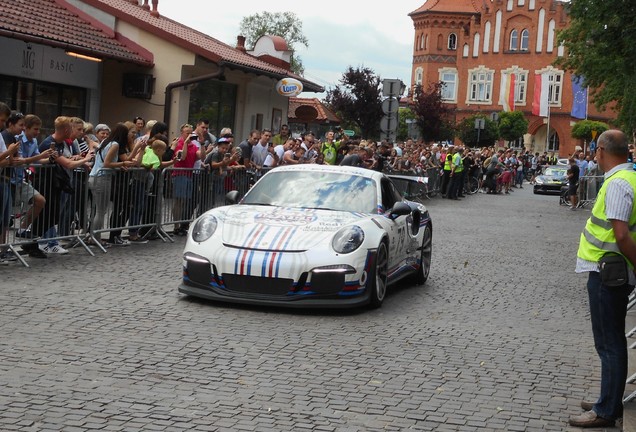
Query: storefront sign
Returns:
{"type": "Point", "coordinates": [43, 63]}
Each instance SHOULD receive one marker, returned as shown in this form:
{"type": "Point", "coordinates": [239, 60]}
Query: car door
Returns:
{"type": "Point", "coordinates": [397, 228]}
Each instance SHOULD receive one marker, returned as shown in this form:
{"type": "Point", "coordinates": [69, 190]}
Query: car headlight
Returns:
{"type": "Point", "coordinates": [538, 181]}
{"type": "Point", "coordinates": [203, 228]}
{"type": "Point", "coordinates": [347, 239]}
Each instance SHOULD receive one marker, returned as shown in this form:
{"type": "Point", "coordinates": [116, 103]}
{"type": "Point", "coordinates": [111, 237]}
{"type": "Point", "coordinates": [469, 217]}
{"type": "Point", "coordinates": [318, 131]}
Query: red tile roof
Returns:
{"type": "Point", "coordinates": [452, 6]}
{"type": "Point", "coordinates": [324, 113]}
{"type": "Point", "coordinates": [192, 40]}
{"type": "Point", "coordinates": [58, 24]}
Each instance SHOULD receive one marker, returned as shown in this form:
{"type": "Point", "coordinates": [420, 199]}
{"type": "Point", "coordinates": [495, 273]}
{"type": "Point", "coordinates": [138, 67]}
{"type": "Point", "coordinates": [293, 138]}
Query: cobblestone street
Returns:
{"type": "Point", "coordinates": [498, 339]}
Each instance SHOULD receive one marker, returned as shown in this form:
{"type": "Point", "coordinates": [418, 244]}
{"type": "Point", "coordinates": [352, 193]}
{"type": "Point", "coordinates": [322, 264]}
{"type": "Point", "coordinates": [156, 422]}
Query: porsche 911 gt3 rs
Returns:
{"type": "Point", "coordinates": [309, 236]}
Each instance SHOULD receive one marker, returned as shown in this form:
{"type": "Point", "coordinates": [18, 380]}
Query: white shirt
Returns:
{"type": "Point", "coordinates": [269, 160]}
{"type": "Point", "coordinates": [259, 153]}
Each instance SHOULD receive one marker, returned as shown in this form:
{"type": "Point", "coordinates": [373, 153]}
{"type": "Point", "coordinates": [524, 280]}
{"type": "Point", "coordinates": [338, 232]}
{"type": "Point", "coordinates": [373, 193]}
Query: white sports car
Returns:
{"type": "Point", "coordinates": [309, 235]}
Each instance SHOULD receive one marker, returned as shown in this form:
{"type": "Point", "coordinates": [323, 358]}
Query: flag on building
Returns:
{"type": "Point", "coordinates": [541, 93]}
{"type": "Point", "coordinates": [579, 98]}
{"type": "Point", "coordinates": [507, 91]}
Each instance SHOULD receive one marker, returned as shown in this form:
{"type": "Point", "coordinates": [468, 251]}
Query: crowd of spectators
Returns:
{"type": "Point", "coordinates": [80, 155]}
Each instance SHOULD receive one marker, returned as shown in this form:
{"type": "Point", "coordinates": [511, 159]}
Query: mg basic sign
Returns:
{"type": "Point", "coordinates": [289, 87]}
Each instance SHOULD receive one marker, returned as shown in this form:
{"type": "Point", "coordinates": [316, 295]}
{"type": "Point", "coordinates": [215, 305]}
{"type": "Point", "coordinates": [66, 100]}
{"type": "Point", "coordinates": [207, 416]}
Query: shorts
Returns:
{"type": "Point", "coordinates": [23, 196]}
{"type": "Point", "coordinates": [182, 187]}
{"type": "Point", "coordinates": [572, 189]}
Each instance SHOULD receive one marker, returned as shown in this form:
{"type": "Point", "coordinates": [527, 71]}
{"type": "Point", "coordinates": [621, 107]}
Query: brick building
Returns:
{"type": "Point", "coordinates": [474, 45]}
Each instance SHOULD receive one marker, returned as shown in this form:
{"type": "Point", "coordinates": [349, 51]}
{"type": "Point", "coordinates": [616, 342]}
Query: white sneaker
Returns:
{"type": "Point", "coordinates": [57, 249]}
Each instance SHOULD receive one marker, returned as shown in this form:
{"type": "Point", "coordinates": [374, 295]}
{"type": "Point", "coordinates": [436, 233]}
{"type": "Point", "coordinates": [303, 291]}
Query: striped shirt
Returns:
{"type": "Point", "coordinates": [619, 202]}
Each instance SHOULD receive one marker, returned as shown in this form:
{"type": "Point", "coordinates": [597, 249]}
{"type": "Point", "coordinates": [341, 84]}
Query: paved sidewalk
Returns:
{"type": "Point", "coordinates": [497, 340]}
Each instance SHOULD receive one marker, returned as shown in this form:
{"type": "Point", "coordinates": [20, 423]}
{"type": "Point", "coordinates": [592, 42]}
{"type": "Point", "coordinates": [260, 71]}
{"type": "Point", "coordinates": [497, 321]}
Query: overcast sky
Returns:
{"type": "Point", "coordinates": [340, 33]}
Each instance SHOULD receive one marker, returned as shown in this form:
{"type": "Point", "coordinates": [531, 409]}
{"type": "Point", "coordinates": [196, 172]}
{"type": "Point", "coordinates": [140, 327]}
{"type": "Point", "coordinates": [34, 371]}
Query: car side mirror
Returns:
{"type": "Point", "coordinates": [232, 197]}
{"type": "Point", "coordinates": [399, 209]}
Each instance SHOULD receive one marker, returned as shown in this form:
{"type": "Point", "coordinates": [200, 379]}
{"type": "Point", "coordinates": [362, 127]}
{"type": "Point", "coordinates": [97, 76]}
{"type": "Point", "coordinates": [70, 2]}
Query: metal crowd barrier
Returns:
{"type": "Point", "coordinates": [427, 185]}
{"type": "Point", "coordinates": [185, 194]}
{"type": "Point", "coordinates": [45, 204]}
{"type": "Point", "coordinates": [123, 200]}
{"type": "Point", "coordinates": [588, 189]}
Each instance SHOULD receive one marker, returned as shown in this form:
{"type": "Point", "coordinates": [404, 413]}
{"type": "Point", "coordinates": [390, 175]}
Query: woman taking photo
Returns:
{"type": "Point", "coordinates": [110, 155]}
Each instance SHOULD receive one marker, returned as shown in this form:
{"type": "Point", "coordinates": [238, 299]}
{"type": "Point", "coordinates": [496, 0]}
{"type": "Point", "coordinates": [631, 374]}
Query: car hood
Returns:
{"type": "Point", "coordinates": [552, 179]}
{"type": "Point", "coordinates": [281, 229]}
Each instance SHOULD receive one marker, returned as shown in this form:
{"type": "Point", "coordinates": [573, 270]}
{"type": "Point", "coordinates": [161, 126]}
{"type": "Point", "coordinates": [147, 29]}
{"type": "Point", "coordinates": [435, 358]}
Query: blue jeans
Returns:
{"type": "Point", "coordinates": [608, 307]}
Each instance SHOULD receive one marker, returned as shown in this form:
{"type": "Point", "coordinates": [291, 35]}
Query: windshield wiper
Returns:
{"type": "Point", "coordinates": [317, 208]}
{"type": "Point", "coordinates": [257, 203]}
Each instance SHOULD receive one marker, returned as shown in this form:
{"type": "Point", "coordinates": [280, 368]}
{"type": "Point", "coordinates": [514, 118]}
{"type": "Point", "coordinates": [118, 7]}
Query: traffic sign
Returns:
{"type": "Point", "coordinates": [349, 132]}
{"type": "Point", "coordinates": [392, 87]}
{"type": "Point", "coordinates": [388, 123]}
{"type": "Point", "coordinates": [390, 105]}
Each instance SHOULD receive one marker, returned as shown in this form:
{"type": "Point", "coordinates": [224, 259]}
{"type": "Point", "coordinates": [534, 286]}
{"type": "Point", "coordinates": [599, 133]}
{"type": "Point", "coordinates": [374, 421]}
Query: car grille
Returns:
{"type": "Point", "coordinates": [257, 285]}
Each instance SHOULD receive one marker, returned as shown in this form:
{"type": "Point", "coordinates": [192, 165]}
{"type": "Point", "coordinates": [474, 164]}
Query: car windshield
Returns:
{"type": "Point", "coordinates": [555, 172]}
{"type": "Point", "coordinates": [316, 190]}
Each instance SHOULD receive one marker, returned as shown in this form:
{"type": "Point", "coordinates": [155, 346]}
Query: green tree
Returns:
{"type": "Point", "coordinates": [433, 116]}
{"type": "Point", "coordinates": [284, 24]}
{"type": "Point", "coordinates": [358, 100]}
{"type": "Point", "coordinates": [600, 47]}
{"type": "Point", "coordinates": [583, 129]}
{"type": "Point", "coordinates": [512, 125]}
{"type": "Point", "coordinates": [471, 137]}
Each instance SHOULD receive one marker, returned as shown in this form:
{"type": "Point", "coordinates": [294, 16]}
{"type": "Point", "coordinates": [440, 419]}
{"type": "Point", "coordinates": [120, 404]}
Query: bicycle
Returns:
{"type": "Point", "coordinates": [471, 185]}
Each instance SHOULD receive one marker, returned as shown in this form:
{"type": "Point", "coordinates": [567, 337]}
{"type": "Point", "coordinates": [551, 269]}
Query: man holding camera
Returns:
{"type": "Point", "coordinates": [186, 153]}
{"type": "Point", "coordinates": [607, 252]}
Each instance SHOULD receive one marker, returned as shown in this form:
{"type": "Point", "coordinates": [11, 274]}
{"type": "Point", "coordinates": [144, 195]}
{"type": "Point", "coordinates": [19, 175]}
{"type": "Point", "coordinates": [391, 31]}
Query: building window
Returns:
{"type": "Point", "coordinates": [516, 144]}
{"type": "Point", "coordinates": [521, 2]}
{"type": "Point", "coordinates": [514, 40]}
{"type": "Point", "coordinates": [419, 75]}
{"type": "Point", "coordinates": [525, 38]}
{"type": "Point", "coordinates": [448, 77]}
{"type": "Point", "coordinates": [553, 142]}
{"type": "Point", "coordinates": [452, 41]}
{"type": "Point", "coordinates": [521, 87]}
{"type": "Point", "coordinates": [509, 5]}
{"type": "Point", "coordinates": [466, 50]}
{"type": "Point", "coordinates": [216, 101]}
{"type": "Point", "coordinates": [422, 39]}
{"type": "Point", "coordinates": [46, 100]}
{"type": "Point", "coordinates": [555, 88]}
{"type": "Point", "coordinates": [480, 85]}
{"type": "Point", "coordinates": [531, 5]}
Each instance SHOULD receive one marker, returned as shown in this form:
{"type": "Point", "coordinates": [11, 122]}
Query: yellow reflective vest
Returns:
{"type": "Point", "coordinates": [597, 238]}
{"type": "Point", "coordinates": [458, 162]}
{"type": "Point", "coordinates": [447, 162]}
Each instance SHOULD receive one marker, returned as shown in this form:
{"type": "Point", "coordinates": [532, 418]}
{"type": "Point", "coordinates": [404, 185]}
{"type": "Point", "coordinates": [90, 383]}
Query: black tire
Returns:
{"type": "Point", "coordinates": [421, 275]}
{"type": "Point", "coordinates": [380, 275]}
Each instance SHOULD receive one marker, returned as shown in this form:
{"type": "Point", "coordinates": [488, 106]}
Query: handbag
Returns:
{"type": "Point", "coordinates": [613, 270]}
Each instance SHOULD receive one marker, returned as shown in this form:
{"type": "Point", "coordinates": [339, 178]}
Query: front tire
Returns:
{"type": "Point", "coordinates": [421, 275]}
{"type": "Point", "coordinates": [380, 276]}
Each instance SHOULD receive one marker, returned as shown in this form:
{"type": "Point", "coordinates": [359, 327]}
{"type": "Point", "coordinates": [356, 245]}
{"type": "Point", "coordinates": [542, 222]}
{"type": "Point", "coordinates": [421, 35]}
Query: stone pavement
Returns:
{"type": "Point", "coordinates": [497, 340]}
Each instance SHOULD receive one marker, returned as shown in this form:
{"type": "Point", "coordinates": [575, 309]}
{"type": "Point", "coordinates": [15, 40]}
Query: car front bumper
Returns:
{"type": "Point", "coordinates": [326, 285]}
